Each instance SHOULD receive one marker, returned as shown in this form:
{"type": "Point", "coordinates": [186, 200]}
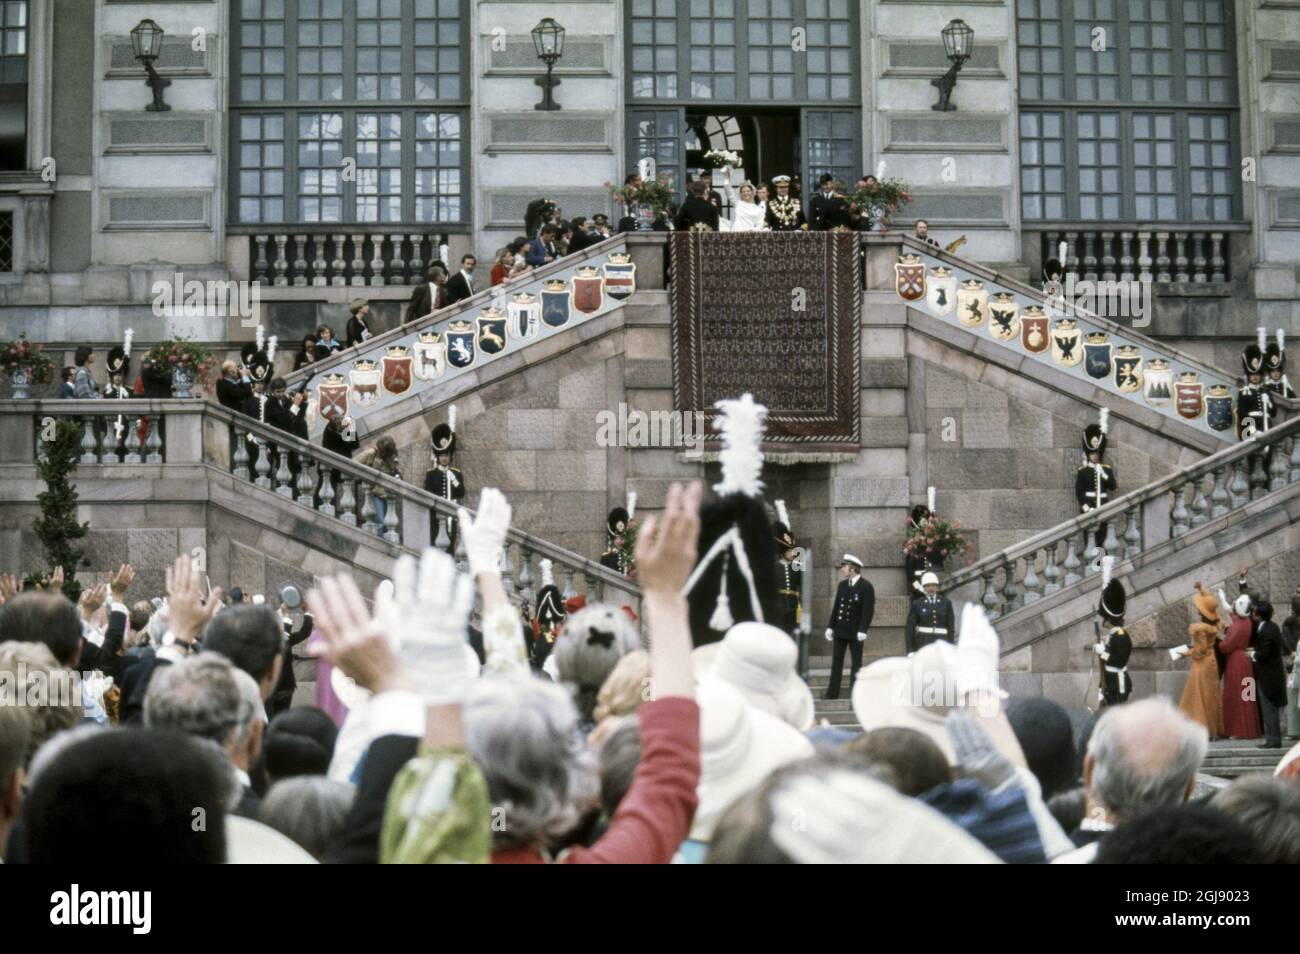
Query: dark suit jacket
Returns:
{"type": "Point", "coordinates": [855, 605]}
{"type": "Point", "coordinates": [1269, 669]}
{"type": "Point", "coordinates": [105, 657]}
{"type": "Point", "coordinates": [354, 330]}
{"type": "Point", "coordinates": [336, 443]}
{"type": "Point", "coordinates": [135, 687]}
{"type": "Point", "coordinates": [456, 289]}
{"type": "Point", "coordinates": [233, 394]}
{"type": "Point", "coordinates": [282, 695]}
{"type": "Point", "coordinates": [422, 301]}
{"type": "Point", "coordinates": [359, 843]}
{"type": "Point", "coordinates": [280, 414]}
{"type": "Point", "coordinates": [696, 211]}
{"type": "Point", "coordinates": [583, 240]}
{"type": "Point", "coordinates": [819, 208]}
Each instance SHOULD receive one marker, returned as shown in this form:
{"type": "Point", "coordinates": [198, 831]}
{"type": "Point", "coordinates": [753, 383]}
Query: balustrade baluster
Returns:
{"type": "Point", "coordinates": [507, 569]}
{"type": "Point", "coordinates": [1258, 476]}
{"type": "Point", "coordinates": [442, 533]}
{"type": "Point", "coordinates": [416, 263]}
{"type": "Point", "coordinates": [1179, 518]}
{"type": "Point", "coordinates": [568, 592]}
{"type": "Point", "coordinates": [1126, 256]}
{"type": "Point", "coordinates": [1010, 591]}
{"type": "Point", "coordinates": [397, 270]}
{"type": "Point", "coordinates": [338, 264]}
{"type": "Point", "coordinates": [1089, 259]}
{"type": "Point", "coordinates": [1071, 265]}
{"type": "Point", "coordinates": [1218, 261]}
{"type": "Point", "coordinates": [1162, 257]}
{"type": "Point", "coordinates": [593, 588]}
{"type": "Point", "coordinates": [1200, 272]}
{"type": "Point", "coordinates": [153, 442]}
{"type": "Point", "coordinates": [358, 260]}
{"type": "Point", "coordinates": [300, 261]}
{"type": "Point", "coordinates": [1277, 466]}
{"type": "Point", "coordinates": [1072, 564]}
{"type": "Point", "coordinates": [526, 572]}
{"type": "Point", "coordinates": [348, 501]}
{"type": "Point", "coordinates": [306, 486]}
{"type": "Point", "coordinates": [392, 531]}
{"type": "Point", "coordinates": [990, 597]}
{"type": "Point", "coordinates": [113, 436]}
{"type": "Point", "coordinates": [1108, 256]}
{"type": "Point", "coordinates": [1295, 459]}
{"type": "Point", "coordinates": [1051, 572]}
{"type": "Point", "coordinates": [1219, 501]}
{"type": "Point", "coordinates": [262, 463]}
{"type": "Point", "coordinates": [281, 260]}
{"type": "Point", "coordinates": [318, 276]}
{"type": "Point", "coordinates": [240, 457]}
{"type": "Point", "coordinates": [1092, 553]}
{"type": "Point", "coordinates": [1132, 536]}
{"type": "Point", "coordinates": [260, 264]}
{"type": "Point", "coordinates": [134, 443]}
{"type": "Point", "coordinates": [1200, 504]}
{"type": "Point", "coordinates": [1180, 258]}
{"type": "Point", "coordinates": [368, 511]}
{"type": "Point", "coordinates": [376, 259]}
{"type": "Point", "coordinates": [283, 475]}
{"type": "Point", "coordinates": [1110, 543]}
{"type": "Point", "coordinates": [326, 490]}
{"type": "Point", "coordinates": [89, 442]}
{"type": "Point", "coordinates": [1144, 256]}
{"type": "Point", "coordinates": [1239, 487]}
{"type": "Point", "coordinates": [1031, 583]}
{"type": "Point", "coordinates": [462, 563]}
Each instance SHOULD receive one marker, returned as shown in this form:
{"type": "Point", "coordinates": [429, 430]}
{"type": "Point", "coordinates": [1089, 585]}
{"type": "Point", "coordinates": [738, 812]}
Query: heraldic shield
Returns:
{"type": "Point", "coordinates": [588, 293]}
{"type": "Point", "coordinates": [620, 276]}
{"type": "Point", "coordinates": [365, 382]}
{"type": "Point", "coordinates": [941, 291]}
{"type": "Point", "coordinates": [1158, 386]}
{"type": "Point", "coordinates": [1219, 412]}
{"type": "Point", "coordinates": [1189, 396]}
{"type": "Point", "coordinates": [1004, 316]}
{"type": "Point", "coordinates": [1065, 343]}
{"type": "Point", "coordinates": [1033, 330]}
{"type": "Point", "coordinates": [909, 277]}
{"type": "Point", "coordinates": [430, 356]}
{"type": "Point", "coordinates": [555, 303]}
{"type": "Point", "coordinates": [972, 303]}
{"type": "Point", "coordinates": [525, 313]}
{"type": "Point", "coordinates": [1096, 355]}
{"type": "Point", "coordinates": [396, 365]}
{"type": "Point", "coordinates": [461, 350]}
{"type": "Point", "coordinates": [1128, 369]}
{"type": "Point", "coordinates": [332, 397]}
{"type": "Point", "coordinates": [492, 331]}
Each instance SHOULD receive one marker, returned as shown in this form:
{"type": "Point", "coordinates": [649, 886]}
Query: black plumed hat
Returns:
{"type": "Point", "coordinates": [747, 517]}
{"type": "Point", "coordinates": [618, 516]}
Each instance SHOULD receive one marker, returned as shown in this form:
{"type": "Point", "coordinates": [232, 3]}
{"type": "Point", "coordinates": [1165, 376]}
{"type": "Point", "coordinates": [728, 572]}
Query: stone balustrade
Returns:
{"type": "Point", "coordinates": [1164, 510]}
{"type": "Point", "coordinates": [302, 259]}
{"type": "Point", "coordinates": [1165, 254]}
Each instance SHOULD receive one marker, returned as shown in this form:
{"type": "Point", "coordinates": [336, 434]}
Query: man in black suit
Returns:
{"type": "Point", "coordinates": [697, 211]}
{"type": "Point", "coordinates": [234, 389]}
{"type": "Point", "coordinates": [461, 285]}
{"type": "Point", "coordinates": [282, 696]}
{"type": "Point", "coordinates": [820, 206]}
{"type": "Point", "coordinates": [285, 412]}
{"type": "Point", "coordinates": [710, 193]}
{"type": "Point", "coordinates": [929, 619]}
{"type": "Point", "coordinates": [582, 237]}
{"type": "Point", "coordinates": [855, 605]}
{"type": "Point", "coordinates": [1270, 672]}
{"type": "Point", "coordinates": [430, 296]}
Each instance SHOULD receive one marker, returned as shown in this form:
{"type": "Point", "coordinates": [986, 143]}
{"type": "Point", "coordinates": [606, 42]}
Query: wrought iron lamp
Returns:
{"type": "Point", "coordinates": [548, 39]}
{"type": "Point", "coordinates": [146, 39]}
{"type": "Point", "coordinates": [957, 43]}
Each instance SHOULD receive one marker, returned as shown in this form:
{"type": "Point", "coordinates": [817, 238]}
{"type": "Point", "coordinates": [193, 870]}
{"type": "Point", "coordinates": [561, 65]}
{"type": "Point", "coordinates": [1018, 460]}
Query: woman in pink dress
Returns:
{"type": "Point", "coordinates": [1240, 710]}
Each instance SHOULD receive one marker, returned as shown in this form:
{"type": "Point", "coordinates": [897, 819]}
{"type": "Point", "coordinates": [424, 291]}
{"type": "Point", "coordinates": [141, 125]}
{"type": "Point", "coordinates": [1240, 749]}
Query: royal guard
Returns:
{"type": "Point", "coordinates": [929, 618]}
{"type": "Point", "coordinates": [119, 367]}
{"type": "Point", "coordinates": [734, 580]}
{"type": "Point", "coordinates": [784, 213]}
{"type": "Point", "coordinates": [924, 561]}
{"type": "Point", "coordinates": [1094, 481]}
{"type": "Point", "coordinates": [548, 620]}
{"type": "Point", "coordinates": [261, 362]}
{"type": "Point", "coordinates": [444, 480]}
{"type": "Point", "coordinates": [1114, 652]}
{"type": "Point", "coordinates": [1255, 409]}
{"type": "Point", "coordinates": [789, 572]}
{"type": "Point", "coordinates": [617, 522]}
{"type": "Point", "coordinates": [1276, 382]}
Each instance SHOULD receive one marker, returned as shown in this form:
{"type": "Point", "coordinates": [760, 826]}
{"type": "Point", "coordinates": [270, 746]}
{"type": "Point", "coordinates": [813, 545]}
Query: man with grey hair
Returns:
{"type": "Point", "coordinates": [15, 737]}
{"type": "Point", "coordinates": [1142, 755]}
{"type": "Point", "coordinates": [207, 697]}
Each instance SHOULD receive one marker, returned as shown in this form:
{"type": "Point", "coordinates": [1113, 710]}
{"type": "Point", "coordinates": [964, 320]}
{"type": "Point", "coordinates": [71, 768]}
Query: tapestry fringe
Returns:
{"type": "Point", "coordinates": [783, 458]}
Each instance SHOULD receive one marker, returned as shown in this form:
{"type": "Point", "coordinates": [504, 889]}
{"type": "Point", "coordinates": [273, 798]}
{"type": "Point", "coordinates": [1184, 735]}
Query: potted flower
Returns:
{"type": "Point", "coordinates": [187, 364]}
{"type": "Point", "coordinates": [882, 199]}
{"type": "Point", "coordinates": [937, 540]}
{"type": "Point", "coordinates": [26, 363]}
{"type": "Point", "coordinates": [645, 201]}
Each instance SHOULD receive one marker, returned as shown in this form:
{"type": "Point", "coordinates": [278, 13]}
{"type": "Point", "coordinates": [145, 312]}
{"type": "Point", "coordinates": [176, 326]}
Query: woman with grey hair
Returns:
{"type": "Point", "coordinates": [592, 642]}
{"type": "Point", "coordinates": [309, 809]}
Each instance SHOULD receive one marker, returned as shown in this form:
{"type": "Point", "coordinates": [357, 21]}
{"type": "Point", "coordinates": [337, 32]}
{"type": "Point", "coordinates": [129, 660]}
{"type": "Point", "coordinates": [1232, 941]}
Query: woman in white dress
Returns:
{"type": "Point", "coordinates": [747, 215]}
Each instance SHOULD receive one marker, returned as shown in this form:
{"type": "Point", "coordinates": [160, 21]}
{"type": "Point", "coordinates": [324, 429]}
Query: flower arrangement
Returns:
{"type": "Point", "coordinates": [23, 355]}
{"type": "Point", "coordinates": [655, 194]}
{"type": "Point", "coordinates": [938, 539]}
{"type": "Point", "coordinates": [718, 158]}
{"type": "Point", "coordinates": [625, 547]}
{"type": "Point", "coordinates": [886, 196]}
{"type": "Point", "coordinates": [185, 354]}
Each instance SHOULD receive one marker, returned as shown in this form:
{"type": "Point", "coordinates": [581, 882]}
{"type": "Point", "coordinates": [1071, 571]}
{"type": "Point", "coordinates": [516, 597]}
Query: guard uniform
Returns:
{"type": "Point", "coordinates": [1115, 682]}
{"type": "Point", "coordinates": [549, 618]}
{"type": "Point", "coordinates": [1094, 484]}
{"type": "Point", "coordinates": [855, 605]}
{"type": "Point", "coordinates": [445, 482]}
{"type": "Point", "coordinates": [615, 555]}
{"type": "Point", "coordinates": [1275, 380]}
{"type": "Point", "coordinates": [916, 567]}
{"type": "Point", "coordinates": [1255, 409]}
{"type": "Point", "coordinates": [789, 576]}
{"type": "Point", "coordinates": [929, 620]}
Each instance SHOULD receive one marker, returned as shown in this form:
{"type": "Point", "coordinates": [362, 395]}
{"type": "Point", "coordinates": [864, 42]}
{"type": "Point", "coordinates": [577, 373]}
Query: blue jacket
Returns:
{"type": "Point", "coordinates": [536, 253]}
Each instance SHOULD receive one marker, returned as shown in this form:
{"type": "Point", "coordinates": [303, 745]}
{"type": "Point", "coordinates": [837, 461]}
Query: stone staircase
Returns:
{"type": "Point", "coordinates": [1232, 758]}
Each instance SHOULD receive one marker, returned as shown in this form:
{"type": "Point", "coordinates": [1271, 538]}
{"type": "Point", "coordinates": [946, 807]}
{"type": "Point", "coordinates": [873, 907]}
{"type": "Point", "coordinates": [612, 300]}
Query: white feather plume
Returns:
{"type": "Point", "coordinates": [1103, 420]}
{"type": "Point", "coordinates": [271, 342]}
{"type": "Point", "coordinates": [631, 504]}
{"type": "Point", "coordinates": [1062, 251]}
{"type": "Point", "coordinates": [741, 424]}
{"type": "Point", "coordinates": [451, 419]}
{"type": "Point", "coordinates": [130, 336]}
{"type": "Point", "coordinates": [1261, 337]}
{"type": "Point", "coordinates": [1107, 568]}
{"type": "Point", "coordinates": [548, 578]}
{"type": "Point", "coordinates": [1281, 340]}
{"type": "Point", "coordinates": [261, 337]}
{"type": "Point", "coordinates": [929, 499]}
{"type": "Point", "coordinates": [781, 514]}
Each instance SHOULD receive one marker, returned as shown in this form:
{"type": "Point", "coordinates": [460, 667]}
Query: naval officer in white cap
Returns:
{"type": "Point", "coordinates": [855, 604]}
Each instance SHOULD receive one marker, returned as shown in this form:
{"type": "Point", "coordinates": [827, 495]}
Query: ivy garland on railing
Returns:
{"type": "Point", "coordinates": [57, 527]}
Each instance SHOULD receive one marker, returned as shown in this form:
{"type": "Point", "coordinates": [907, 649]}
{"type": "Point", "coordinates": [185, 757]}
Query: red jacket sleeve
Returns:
{"type": "Point", "coordinates": [655, 815]}
{"type": "Point", "coordinates": [1237, 637]}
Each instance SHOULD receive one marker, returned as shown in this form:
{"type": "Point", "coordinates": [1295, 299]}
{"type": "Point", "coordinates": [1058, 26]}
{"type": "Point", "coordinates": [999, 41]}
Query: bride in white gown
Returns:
{"type": "Point", "coordinates": [747, 214]}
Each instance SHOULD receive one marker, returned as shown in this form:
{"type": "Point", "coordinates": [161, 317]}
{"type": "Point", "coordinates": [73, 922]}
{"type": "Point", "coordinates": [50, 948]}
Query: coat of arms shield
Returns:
{"type": "Point", "coordinates": [492, 331]}
{"type": "Point", "coordinates": [1096, 355]}
{"type": "Point", "coordinates": [1158, 390]}
{"type": "Point", "coordinates": [430, 356]}
{"type": "Point", "coordinates": [332, 396]}
{"type": "Point", "coordinates": [1219, 412]}
{"type": "Point", "coordinates": [525, 313]}
{"type": "Point", "coordinates": [396, 365]}
{"type": "Point", "coordinates": [1065, 343]}
{"type": "Point", "coordinates": [941, 291]}
{"type": "Point", "coordinates": [588, 290]}
{"type": "Point", "coordinates": [1128, 369]}
{"type": "Point", "coordinates": [1189, 396]}
{"type": "Point", "coordinates": [1004, 316]}
{"type": "Point", "coordinates": [909, 277]}
{"type": "Point", "coordinates": [620, 276]}
{"type": "Point", "coordinates": [1033, 330]}
{"type": "Point", "coordinates": [364, 378]}
{"type": "Point", "coordinates": [461, 350]}
{"type": "Point", "coordinates": [555, 303]}
{"type": "Point", "coordinates": [972, 303]}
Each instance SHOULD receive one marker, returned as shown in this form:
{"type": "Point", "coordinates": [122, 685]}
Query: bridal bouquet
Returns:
{"type": "Point", "coordinates": [718, 158]}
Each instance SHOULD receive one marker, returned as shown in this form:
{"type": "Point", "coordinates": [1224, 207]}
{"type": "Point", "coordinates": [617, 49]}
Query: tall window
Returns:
{"type": "Point", "coordinates": [350, 112]}
{"type": "Point", "coordinates": [774, 52]}
{"type": "Point", "coordinates": [13, 84]}
{"type": "Point", "coordinates": [1128, 110]}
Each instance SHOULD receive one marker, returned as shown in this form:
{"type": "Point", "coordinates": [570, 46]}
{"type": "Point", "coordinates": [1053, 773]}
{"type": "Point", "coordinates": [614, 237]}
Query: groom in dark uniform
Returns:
{"type": "Point", "coordinates": [855, 604]}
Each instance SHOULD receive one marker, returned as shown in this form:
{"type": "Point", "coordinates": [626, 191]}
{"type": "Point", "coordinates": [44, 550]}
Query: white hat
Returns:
{"type": "Point", "coordinates": [760, 660]}
{"type": "Point", "coordinates": [928, 578]}
{"type": "Point", "coordinates": [850, 558]}
{"type": "Point", "coordinates": [777, 180]}
{"type": "Point", "coordinates": [250, 842]}
{"type": "Point", "coordinates": [1241, 606]}
{"type": "Point", "coordinates": [739, 747]}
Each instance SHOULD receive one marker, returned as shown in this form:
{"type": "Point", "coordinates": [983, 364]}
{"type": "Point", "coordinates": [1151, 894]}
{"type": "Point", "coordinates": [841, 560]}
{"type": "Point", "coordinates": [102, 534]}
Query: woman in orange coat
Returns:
{"type": "Point", "coordinates": [1201, 696]}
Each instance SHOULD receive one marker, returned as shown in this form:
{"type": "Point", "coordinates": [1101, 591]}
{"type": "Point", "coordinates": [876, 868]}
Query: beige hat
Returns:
{"type": "Point", "coordinates": [250, 842]}
{"type": "Point", "coordinates": [760, 660]}
{"type": "Point", "coordinates": [739, 747]}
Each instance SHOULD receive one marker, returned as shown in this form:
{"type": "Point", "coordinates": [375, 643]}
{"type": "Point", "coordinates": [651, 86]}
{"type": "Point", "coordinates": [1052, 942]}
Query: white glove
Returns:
{"type": "Point", "coordinates": [1099, 648]}
{"type": "Point", "coordinates": [862, 637]}
{"type": "Point", "coordinates": [1087, 508]}
{"type": "Point", "coordinates": [427, 616]}
{"type": "Point", "coordinates": [829, 635]}
{"type": "Point", "coordinates": [485, 534]}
